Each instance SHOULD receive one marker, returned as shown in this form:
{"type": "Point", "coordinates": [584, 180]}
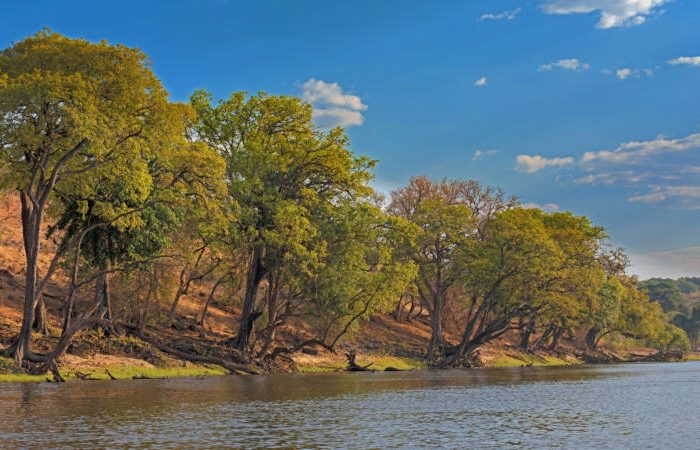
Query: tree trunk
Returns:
{"type": "Point", "coordinates": [40, 324]}
{"type": "Point", "coordinates": [103, 297]}
{"type": "Point", "coordinates": [556, 337]}
{"type": "Point", "coordinates": [31, 233]}
{"type": "Point", "coordinates": [591, 338]}
{"type": "Point", "coordinates": [526, 331]}
{"type": "Point", "coordinates": [255, 275]}
{"type": "Point", "coordinates": [272, 296]}
{"type": "Point", "coordinates": [436, 343]}
{"type": "Point", "coordinates": [182, 289]}
{"type": "Point", "coordinates": [218, 283]}
{"type": "Point", "coordinates": [398, 312]}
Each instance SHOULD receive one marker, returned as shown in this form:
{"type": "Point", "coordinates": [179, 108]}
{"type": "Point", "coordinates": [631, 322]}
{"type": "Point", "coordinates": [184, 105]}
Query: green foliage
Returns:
{"type": "Point", "coordinates": [362, 274]}
{"type": "Point", "coordinates": [667, 293]}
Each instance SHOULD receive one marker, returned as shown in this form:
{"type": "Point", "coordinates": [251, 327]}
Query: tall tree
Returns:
{"type": "Point", "coordinates": [282, 172]}
{"type": "Point", "coordinates": [506, 275]}
{"type": "Point", "coordinates": [449, 216]}
{"type": "Point", "coordinates": [67, 107]}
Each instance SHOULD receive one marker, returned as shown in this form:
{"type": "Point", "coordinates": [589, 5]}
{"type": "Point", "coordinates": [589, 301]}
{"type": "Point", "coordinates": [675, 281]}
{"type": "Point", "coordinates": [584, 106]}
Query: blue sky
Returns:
{"type": "Point", "coordinates": [591, 106]}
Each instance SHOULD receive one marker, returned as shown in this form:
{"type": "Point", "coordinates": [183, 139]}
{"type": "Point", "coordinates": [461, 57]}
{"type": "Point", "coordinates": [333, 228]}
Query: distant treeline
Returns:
{"type": "Point", "coordinates": [146, 196]}
{"type": "Point", "coordinates": [680, 299]}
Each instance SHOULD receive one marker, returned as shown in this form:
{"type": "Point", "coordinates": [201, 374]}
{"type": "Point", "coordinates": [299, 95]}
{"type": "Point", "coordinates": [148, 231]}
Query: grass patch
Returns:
{"type": "Point", "coordinates": [191, 370]}
{"type": "Point", "coordinates": [21, 378]}
{"type": "Point", "coordinates": [527, 360]}
{"type": "Point", "coordinates": [10, 373]}
{"type": "Point", "coordinates": [693, 356]}
{"type": "Point", "coordinates": [326, 368]}
{"type": "Point", "coordinates": [397, 362]}
{"type": "Point", "coordinates": [378, 363]}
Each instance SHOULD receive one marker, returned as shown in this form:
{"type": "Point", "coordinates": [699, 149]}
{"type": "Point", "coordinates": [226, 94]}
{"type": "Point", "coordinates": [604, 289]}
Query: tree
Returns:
{"type": "Point", "coordinates": [67, 108]}
{"type": "Point", "coordinates": [666, 293]}
{"type": "Point", "coordinates": [572, 284]}
{"type": "Point", "coordinates": [690, 323]}
{"type": "Point", "coordinates": [624, 309]}
{"type": "Point", "coordinates": [448, 216]}
{"type": "Point", "coordinates": [362, 272]}
{"type": "Point", "coordinates": [282, 172]}
{"type": "Point", "coordinates": [506, 275]}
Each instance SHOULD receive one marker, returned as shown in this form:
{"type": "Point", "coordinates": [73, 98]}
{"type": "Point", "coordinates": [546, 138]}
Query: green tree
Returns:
{"type": "Point", "coordinates": [665, 292]}
{"type": "Point", "coordinates": [571, 285]}
{"type": "Point", "coordinates": [506, 275]}
{"type": "Point", "coordinates": [282, 173]}
{"type": "Point", "coordinates": [448, 217]}
{"type": "Point", "coordinates": [68, 107]}
{"type": "Point", "coordinates": [362, 273]}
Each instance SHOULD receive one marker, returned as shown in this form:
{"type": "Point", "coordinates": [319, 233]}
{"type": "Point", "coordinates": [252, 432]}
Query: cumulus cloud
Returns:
{"type": "Point", "coordinates": [623, 73]}
{"type": "Point", "coordinates": [635, 151]}
{"type": "Point", "coordinates": [685, 60]}
{"type": "Point", "coordinates": [481, 82]}
{"type": "Point", "coordinates": [572, 64]}
{"type": "Point", "coordinates": [505, 15]}
{"type": "Point", "coordinates": [548, 207]}
{"type": "Point", "coordinates": [535, 163]}
{"type": "Point", "coordinates": [613, 13]}
{"type": "Point", "coordinates": [480, 154]}
{"type": "Point", "coordinates": [331, 106]}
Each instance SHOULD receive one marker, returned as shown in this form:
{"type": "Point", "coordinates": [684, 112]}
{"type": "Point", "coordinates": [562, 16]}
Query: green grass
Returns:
{"type": "Point", "coordinates": [379, 363]}
{"type": "Point", "coordinates": [523, 359]}
{"type": "Point", "coordinates": [21, 378]}
{"type": "Point", "coordinates": [9, 373]}
{"type": "Point", "coordinates": [327, 367]}
{"type": "Point", "coordinates": [192, 370]}
{"type": "Point", "coordinates": [397, 362]}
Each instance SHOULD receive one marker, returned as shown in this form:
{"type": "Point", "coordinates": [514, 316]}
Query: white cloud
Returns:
{"type": "Point", "coordinates": [505, 15]}
{"type": "Point", "coordinates": [332, 107]}
{"type": "Point", "coordinates": [626, 72]}
{"type": "Point", "coordinates": [686, 196]}
{"type": "Point", "coordinates": [481, 82]}
{"type": "Point", "coordinates": [572, 64]}
{"type": "Point", "coordinates": [480, 154]}
{"type": "Point", "coordinates": [548, 207]}
{"type": "Point", "coordinates": [598, 178]}
{"type": "Point", "coordinates": [330, 117]}
{"type": "Point", "coordinates": [685, 60]}
{"type": "Point", "coordinates": [610, 178]}
{"type": "Point", "coordinates": [635, 151]}
{"type": "Point", "coordinates": [613, 13]}
{"type": "Point", "coordinates": [535, 163]}
{"type": "Point", "coordinates": [623, 73]}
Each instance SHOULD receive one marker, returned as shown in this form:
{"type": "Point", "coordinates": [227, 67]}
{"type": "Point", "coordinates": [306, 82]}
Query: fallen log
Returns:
{"type": "Point", "coordinates": [234, 368]}
{"type": "Point", "coordinates": [85, 376]}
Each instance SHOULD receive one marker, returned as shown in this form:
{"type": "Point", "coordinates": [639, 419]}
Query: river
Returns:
{"type": "Point", "coordinates": [620, 406]}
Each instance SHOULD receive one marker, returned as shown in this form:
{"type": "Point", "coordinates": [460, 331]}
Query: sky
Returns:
{"type": "Point", "coordinates": [589, 106]}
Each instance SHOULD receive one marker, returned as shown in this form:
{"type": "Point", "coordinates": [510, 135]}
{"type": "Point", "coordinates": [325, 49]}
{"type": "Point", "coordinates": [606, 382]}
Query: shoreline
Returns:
{"type": "Point", "coordinates": [379, 363]}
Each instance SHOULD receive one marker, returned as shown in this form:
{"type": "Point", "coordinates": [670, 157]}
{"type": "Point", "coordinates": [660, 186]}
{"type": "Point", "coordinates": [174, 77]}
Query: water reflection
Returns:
{"type": "Point", "coordinates": [637, 406]}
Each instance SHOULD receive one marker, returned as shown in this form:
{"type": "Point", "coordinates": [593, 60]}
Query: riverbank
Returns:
{"type": "Point", "coordinates": [109, 367]}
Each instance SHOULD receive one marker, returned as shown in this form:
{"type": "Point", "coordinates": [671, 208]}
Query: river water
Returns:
{"type": "Point", "coordinates": [621, 406]}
